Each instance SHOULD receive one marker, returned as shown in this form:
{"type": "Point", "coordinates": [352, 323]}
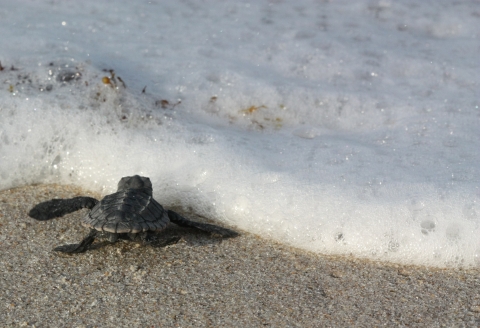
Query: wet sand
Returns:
{"type": "Point", "coordinates": [204, 281]}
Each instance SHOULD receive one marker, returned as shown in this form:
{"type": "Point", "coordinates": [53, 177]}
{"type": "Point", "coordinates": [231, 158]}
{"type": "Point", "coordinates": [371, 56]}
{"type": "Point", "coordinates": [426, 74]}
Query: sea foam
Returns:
{"type": "Point", "coordinates": [351, 133]}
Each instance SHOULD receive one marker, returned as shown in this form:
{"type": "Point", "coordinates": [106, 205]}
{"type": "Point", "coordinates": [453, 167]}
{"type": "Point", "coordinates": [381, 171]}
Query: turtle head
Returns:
{"type": "Point", "coordinates": [135, 182]}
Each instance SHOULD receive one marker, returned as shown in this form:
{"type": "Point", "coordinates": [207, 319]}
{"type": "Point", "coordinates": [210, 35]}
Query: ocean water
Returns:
{"type": "Point", "coordinates": [337, 127]}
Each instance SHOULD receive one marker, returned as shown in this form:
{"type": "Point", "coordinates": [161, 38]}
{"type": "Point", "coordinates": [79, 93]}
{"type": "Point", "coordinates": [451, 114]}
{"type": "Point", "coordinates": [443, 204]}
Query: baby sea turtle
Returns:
{"type": "Point", "coordinates": [130, 213]}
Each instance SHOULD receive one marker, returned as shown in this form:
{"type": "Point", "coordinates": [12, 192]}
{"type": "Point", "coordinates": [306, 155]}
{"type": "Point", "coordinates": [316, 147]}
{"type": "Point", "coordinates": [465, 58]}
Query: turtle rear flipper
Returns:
{"type": "Point", "coordinates": [183, 222]}
{"type": "Point", "coordinates": [59, 207]}
{"type": "Point", "coordinates": [80, 247]}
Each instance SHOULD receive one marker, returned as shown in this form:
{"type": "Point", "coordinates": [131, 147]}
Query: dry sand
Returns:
{"type": "Point", "coordinates": [204, 281]}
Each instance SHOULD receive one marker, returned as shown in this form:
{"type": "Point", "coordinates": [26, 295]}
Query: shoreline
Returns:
{"type": "Point", "coordinates": [206, 281]}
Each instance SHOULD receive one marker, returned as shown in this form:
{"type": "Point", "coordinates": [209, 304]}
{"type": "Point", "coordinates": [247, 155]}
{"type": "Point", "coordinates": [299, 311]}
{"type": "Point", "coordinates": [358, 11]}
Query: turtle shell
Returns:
{"type": "Point", "coordinates": [127, 211]}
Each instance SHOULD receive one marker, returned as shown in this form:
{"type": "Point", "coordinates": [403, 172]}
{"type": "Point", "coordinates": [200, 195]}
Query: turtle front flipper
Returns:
{"type": "Point", "coordinates": [59, 207]}
{"type": "Point", "coordinates": [78, 248]}
{"type": "Point", "coordinates": [183, 222]}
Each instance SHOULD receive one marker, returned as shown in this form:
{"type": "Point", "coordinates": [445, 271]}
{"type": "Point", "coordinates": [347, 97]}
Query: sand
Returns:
{"type": "Point", "coordinates": [204, 281]}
